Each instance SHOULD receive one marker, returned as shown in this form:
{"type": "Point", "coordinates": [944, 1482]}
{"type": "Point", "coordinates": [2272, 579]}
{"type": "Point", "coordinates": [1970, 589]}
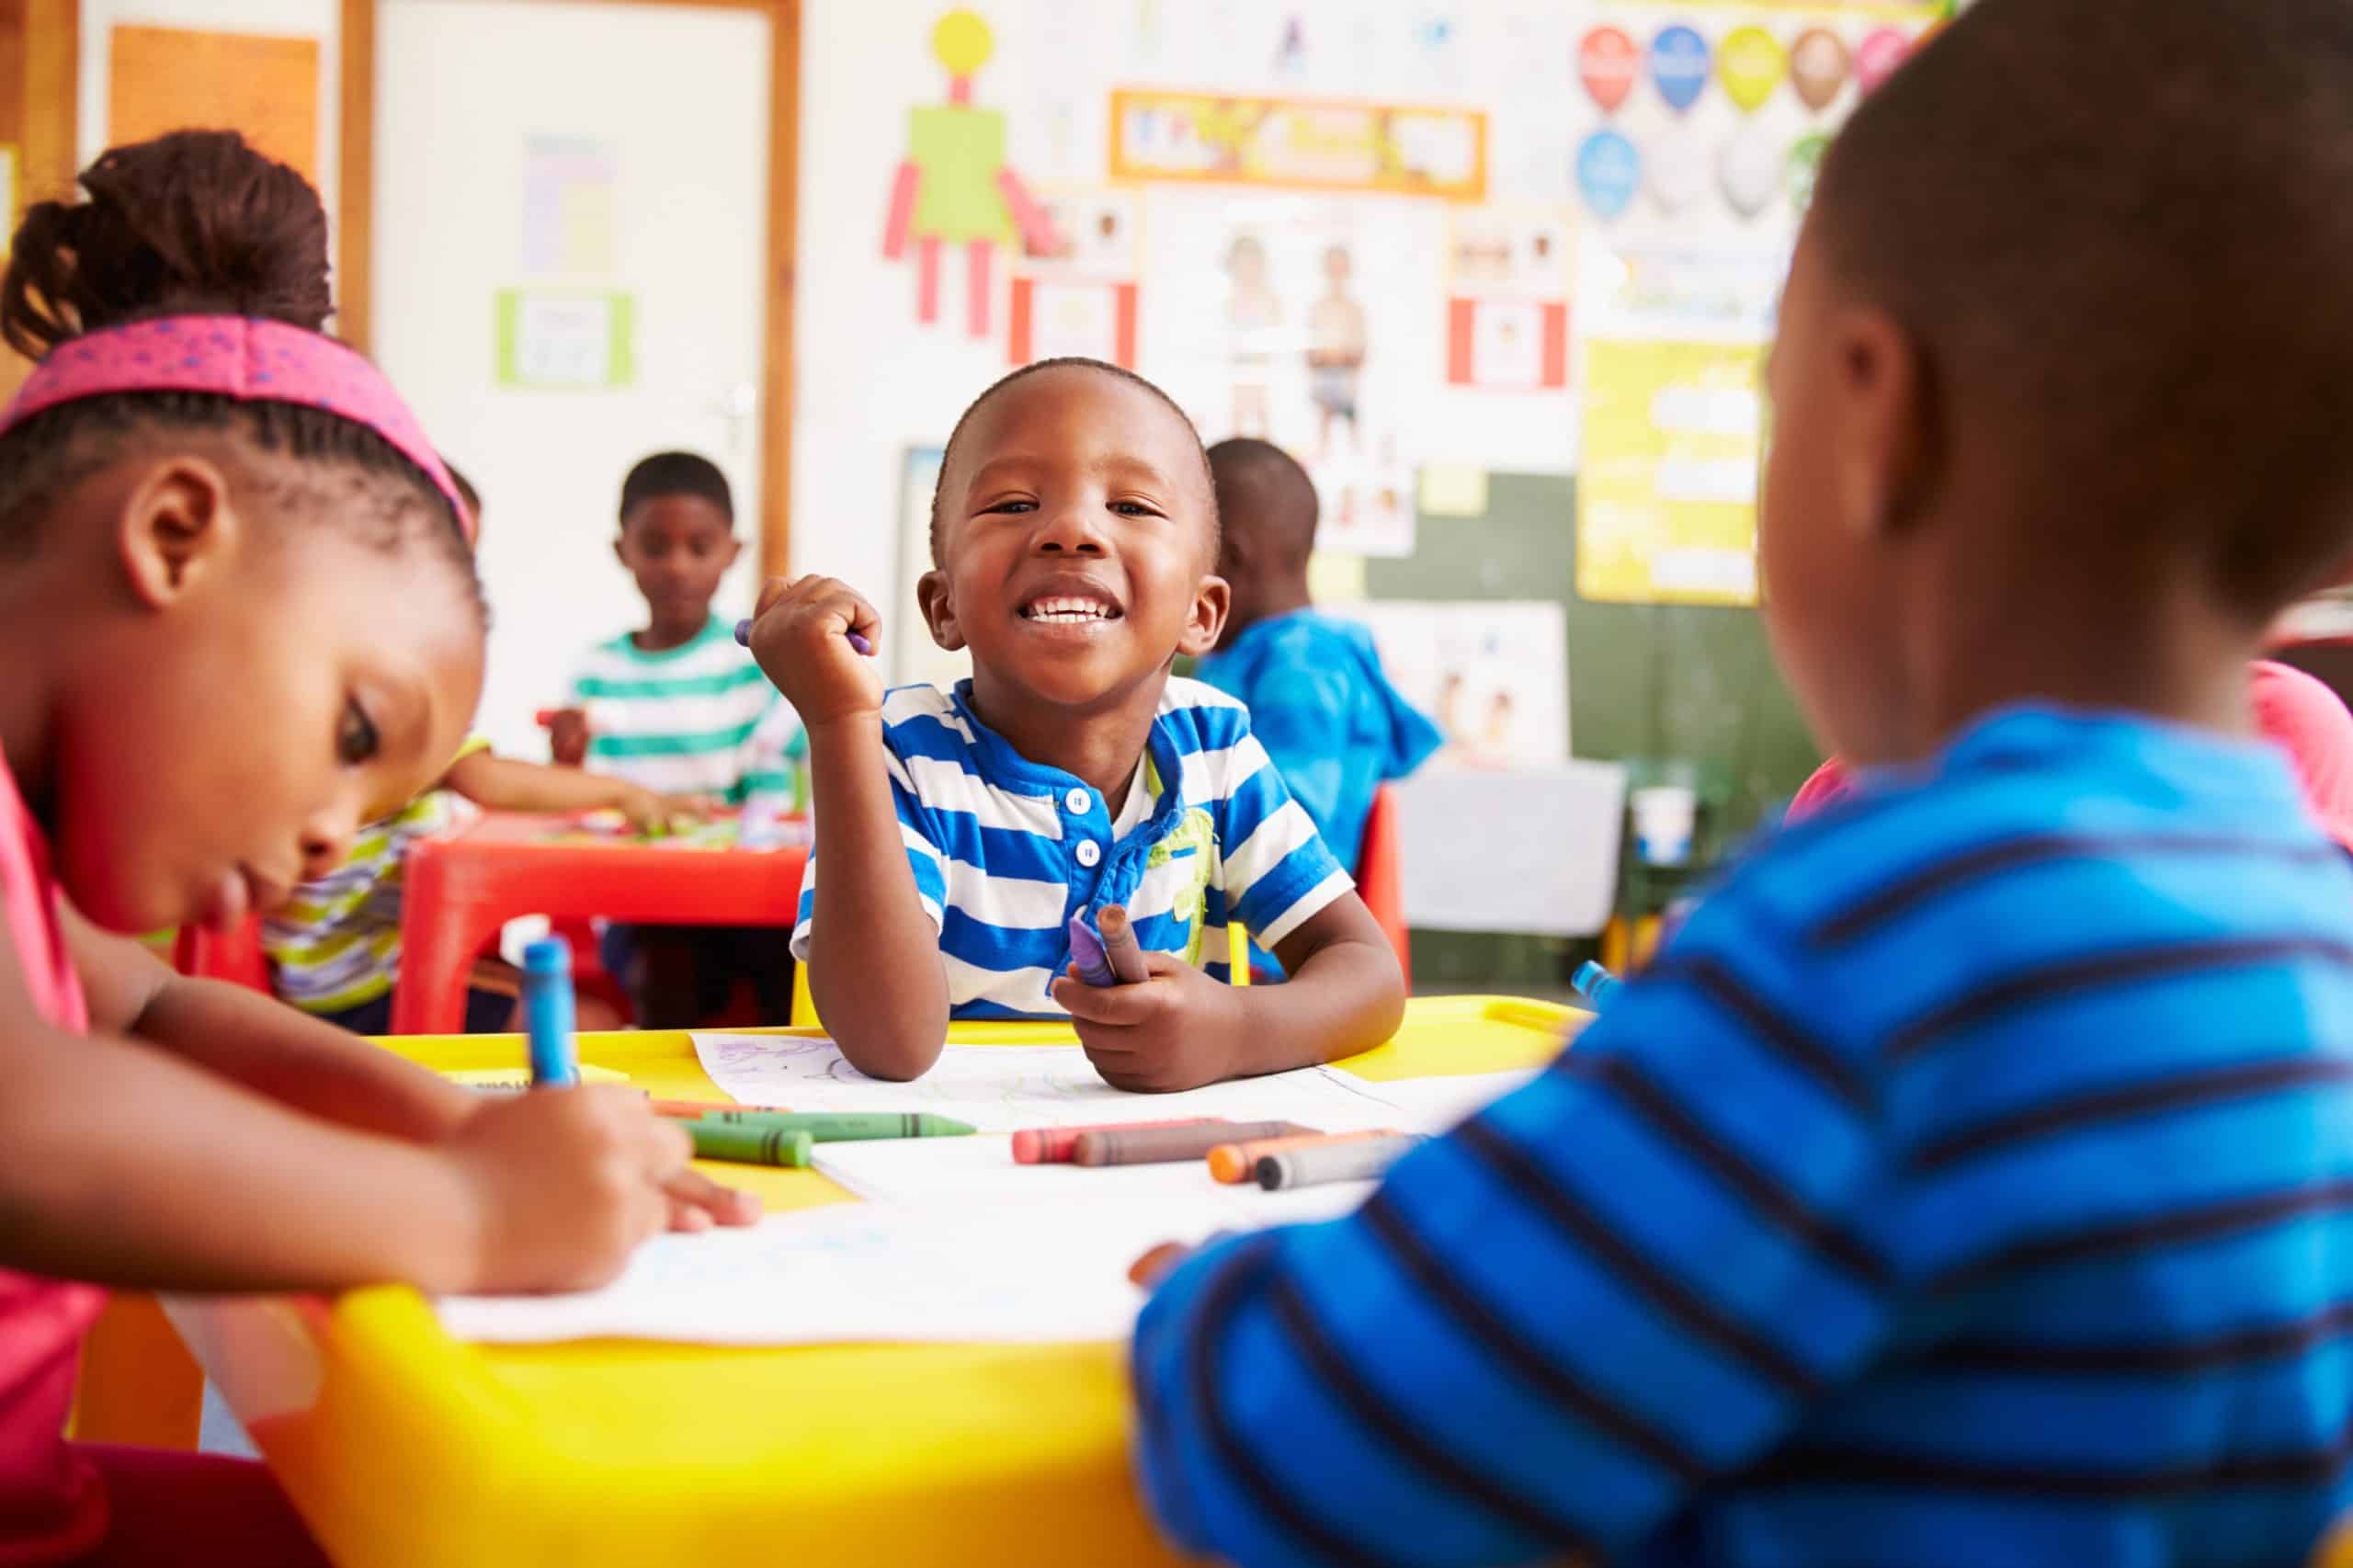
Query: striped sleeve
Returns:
{"type": "Point", "coordinates": [923, 859]}
{"type": "Point", "coordinates": [776, 743]}
{"type": "Point", "coordinates": [1546, 1331]}
{"type": "Point", "coordinates": [1274, 867]}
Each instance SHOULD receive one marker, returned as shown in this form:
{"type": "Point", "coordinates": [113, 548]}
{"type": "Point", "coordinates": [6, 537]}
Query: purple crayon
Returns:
{"type": "Point", "coordinates": [856, 639]}
{"type": "Point", "coordinates": [1087, 954]}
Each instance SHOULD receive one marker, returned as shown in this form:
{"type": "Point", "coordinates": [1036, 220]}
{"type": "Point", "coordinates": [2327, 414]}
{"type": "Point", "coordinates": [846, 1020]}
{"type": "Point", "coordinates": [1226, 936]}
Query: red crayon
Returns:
{"type": "Point", "coordinates": [1054, 1145]}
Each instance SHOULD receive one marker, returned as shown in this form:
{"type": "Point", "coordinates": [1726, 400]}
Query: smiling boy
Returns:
{"type": "Point", "coordinates": [1073, 532]}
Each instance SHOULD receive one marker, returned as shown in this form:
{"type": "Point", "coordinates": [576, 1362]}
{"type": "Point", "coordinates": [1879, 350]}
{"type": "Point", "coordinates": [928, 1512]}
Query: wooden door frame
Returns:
{"type": "Point", "coordinates": [356, 213]}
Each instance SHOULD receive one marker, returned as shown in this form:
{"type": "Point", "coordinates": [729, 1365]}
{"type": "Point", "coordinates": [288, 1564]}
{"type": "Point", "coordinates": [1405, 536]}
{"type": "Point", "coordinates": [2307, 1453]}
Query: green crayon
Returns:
{"type": "Point", "coordinates": [751, 1145]}
{"type": "Point", "coordinates": [847, 1127]}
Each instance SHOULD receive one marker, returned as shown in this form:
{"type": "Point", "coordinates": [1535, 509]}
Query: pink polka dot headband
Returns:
{"type": "Point", "coordinates": [247, 358]}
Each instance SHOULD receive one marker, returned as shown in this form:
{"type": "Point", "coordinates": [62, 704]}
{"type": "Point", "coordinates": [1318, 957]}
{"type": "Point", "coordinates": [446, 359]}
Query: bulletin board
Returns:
{"type": "Point", "coordinates": [162, 79]}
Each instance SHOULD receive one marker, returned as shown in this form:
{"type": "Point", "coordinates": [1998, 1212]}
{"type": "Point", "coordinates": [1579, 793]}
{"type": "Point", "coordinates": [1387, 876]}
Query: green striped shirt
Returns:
{"type": "Point", "coordinates": [697, 719]}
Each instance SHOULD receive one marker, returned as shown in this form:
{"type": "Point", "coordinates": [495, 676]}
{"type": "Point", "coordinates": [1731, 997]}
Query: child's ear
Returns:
{"type": "Point", "coordinates": [1211, 600]}
{"type": "Point", "coordinates": [939, 609]}
{"type": "Point", "coordinates": [176, 525]}
{"type": "Point", "coordinates": [620, 549]}
{"type": "Point", "coordinates": [734, 549]}
{"type": "Point", "coordinates": [1884, 464]}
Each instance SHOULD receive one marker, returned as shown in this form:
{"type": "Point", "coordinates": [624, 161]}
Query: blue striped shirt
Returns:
{"type": "Point", "coordinates": [1970, 1183]}
{"type": "Point", "coordinates": [1006, 851]}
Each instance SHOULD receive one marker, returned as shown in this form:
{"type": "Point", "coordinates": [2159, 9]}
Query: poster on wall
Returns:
{"type": "Point", "coordinates": [1494, 675]}
{"type": "Point", "coordinates": [1700, 129]}
{"type": "Point", "coordinates": [565, 340]}
{"type": "Point", "coordinates": [1299, 143]}
{"type": "Point", "coordinates": [1079, 296]}
{"type": "Point", "coordinates": [1312, 323]}
{"type": "Point", "coordinates": [567, 205]}
{"type": "Point", "coordinates": [1508, 298]}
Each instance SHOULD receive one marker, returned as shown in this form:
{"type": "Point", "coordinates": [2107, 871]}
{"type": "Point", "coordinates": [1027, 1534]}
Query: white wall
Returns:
{"type": "Point", "coordinates": [680, 95]}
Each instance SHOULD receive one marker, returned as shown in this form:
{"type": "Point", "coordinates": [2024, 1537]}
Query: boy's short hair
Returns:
{"type": "Point", "coordinates": [2136, 247]}
{"type": "Point", "coordinates": [1266, 491]}
{"type": "Point", "coordinates": [1066, 362]}
{"type": "Point", "coordinates": [677, 473]}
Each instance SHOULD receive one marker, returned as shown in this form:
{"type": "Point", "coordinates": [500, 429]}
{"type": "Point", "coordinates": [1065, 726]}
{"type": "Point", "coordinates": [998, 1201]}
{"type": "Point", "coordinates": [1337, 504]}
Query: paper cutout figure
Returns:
{"type": "Point", "coordinates": [955, 188]}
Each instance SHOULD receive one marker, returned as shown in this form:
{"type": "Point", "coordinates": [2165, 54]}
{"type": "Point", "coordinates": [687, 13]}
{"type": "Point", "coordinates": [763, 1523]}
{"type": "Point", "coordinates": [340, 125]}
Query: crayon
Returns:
{"type": "Point", "coordinates": [547, 1013]}
{"type": "Point", "coordinates": [844, 1127]}
{"type": "Point", "coordinates": [1165, 1145]}
{"type": "Point", "coordinates": [1119, 949]}
{"type": "Point", "coordinates": [1086, 955]}
{"type": "Point", "coordinates": [1235, 1163]}
{"type": "Point", "coordinates": [693, 1110]}
{"type": "Point", "coordinates": [1596, 984]}
{"type": "Point", "coordinates": [1054, 1145]}
{"type": "Point", "coordinates": [1356, 1160]}
{"type": "Point", "coordinates": [750, 1145]}
{"type": "Point", "coordinates": [856, 639]}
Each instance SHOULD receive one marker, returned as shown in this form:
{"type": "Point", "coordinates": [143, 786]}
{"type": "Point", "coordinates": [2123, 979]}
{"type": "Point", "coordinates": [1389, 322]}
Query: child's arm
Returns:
{"type": "Point", "coordinates": [874, 965]}
{"type": "Point", "coordinates": [1179, 1029]}
{"type": "Point", "coordinates": [260, 1042]}
{"type": "Point", "coordinates": [126, 1166]}
{"type": "Point", "coordinates": [1492, 1356]}
{"type": "Point", "coordinates": [502, 784]}
{"type": "Point", "coordinates": [304, 1064]}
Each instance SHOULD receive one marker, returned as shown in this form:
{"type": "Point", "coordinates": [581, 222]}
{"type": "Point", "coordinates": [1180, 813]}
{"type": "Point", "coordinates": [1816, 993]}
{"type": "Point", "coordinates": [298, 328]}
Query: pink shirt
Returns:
{"type": "Point", "coordinates": [2292, 711]}
{"type": "Point", "coordinates": [52, 1509]}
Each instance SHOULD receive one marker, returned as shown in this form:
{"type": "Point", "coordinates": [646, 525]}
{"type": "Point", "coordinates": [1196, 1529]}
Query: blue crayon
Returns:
{"type": "Point", "coordinates": [1596, 984]}
{"type": "Point", "coordinates": [547, 1013]}
{"type": "Point", "coordinates": [856, 639]}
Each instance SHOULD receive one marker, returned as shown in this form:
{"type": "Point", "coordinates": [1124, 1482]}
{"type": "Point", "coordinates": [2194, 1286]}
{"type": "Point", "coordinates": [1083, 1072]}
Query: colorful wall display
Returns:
{"type": "Point", "coordinates": [1299, 145]}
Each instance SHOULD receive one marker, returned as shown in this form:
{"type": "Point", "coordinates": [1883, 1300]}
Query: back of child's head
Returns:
{"type": "Point", "coordinates": [227, 516]}
{"type": "Point", "coordinates": [1069, 365]}
{"type": "Point", "coordinates": [676, 473]}
{"type": "Point", "coordinates": [2119, 235]}
{"type": "Point", "coordinates": [195, 223]}
{"type": "Point", "coordinates": [1266, 504]}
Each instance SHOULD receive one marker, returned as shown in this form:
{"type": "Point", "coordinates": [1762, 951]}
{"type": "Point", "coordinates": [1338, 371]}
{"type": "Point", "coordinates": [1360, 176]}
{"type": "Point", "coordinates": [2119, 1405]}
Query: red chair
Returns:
{"type": "Point", "coordinates": [1380, 876]}
{"type": "Point", "coordinates": [236, 957]}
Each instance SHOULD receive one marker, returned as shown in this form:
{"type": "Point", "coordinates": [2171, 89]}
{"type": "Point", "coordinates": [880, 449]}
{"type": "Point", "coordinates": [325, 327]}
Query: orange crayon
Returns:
{"type": "Point", "coordinates": [694, 1110]}
{"type": "Point", "coordinates": [1237, 1163]}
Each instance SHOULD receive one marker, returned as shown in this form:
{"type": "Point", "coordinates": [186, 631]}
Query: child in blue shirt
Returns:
{"type": "Point", "coordinates": [959, 831]}
{"type": "Point", "coordinates": [1971, 1181]}
{"type": "Point", "coordinates": [1318, 701]}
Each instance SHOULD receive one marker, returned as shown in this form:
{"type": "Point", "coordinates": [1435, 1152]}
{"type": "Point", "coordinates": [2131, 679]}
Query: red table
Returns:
{"type": "Point", "coordinates": [458, 890]}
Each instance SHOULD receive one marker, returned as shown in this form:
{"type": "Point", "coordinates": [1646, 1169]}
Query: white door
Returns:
{"type": "Point", "coordinates": [566, 153]}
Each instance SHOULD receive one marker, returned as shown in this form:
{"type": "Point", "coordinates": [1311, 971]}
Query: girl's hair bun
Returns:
{"type": "Point", "coordinates": [194, 222]}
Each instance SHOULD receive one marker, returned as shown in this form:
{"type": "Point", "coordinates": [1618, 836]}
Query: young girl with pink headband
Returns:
{"type": "Point", "coordinates": [238, 618]}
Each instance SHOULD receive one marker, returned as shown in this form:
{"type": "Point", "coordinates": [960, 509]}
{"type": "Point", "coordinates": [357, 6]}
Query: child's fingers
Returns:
{"type": "Point", "coordinates": [1121, 1007]}
{"type": "Point", "coordinates": [772, 590]}
{"type": "Point", "coordinates": [1120, 950]}
{"type": "Point", "coordinates": [691, 1193]}
{"type": "Point", "coordinates": [1153, 1267]}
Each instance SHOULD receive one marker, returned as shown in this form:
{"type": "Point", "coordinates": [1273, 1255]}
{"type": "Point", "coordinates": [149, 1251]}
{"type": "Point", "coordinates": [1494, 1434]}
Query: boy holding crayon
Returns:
{"type": "Point", "coordinates": [1967, 1183]}
{"type": "Point", "coordinates": [965, 835]}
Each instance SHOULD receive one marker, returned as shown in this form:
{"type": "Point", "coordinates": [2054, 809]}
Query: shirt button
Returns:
{"type": "Point", "coordinates": [1079, 801]}
{"type": "Point", "coordinates": [1089, 853]}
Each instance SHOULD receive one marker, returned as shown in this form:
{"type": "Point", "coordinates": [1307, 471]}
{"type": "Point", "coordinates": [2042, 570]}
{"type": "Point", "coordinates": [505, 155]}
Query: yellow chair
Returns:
{"type": "Point", "coordinates": [2336, 1549]}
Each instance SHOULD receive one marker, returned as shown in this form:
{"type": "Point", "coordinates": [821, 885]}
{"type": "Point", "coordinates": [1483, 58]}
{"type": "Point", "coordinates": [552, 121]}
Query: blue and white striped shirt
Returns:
{"type": "Point", "coordinates": [1006, 851]}
{"type": "Point", "coordinates": [1970, 1183]}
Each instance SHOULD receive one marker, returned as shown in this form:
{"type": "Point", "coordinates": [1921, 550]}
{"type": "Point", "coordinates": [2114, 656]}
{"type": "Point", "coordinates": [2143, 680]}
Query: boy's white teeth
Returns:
{"type": "Point", "coordinates": [1061, 609]}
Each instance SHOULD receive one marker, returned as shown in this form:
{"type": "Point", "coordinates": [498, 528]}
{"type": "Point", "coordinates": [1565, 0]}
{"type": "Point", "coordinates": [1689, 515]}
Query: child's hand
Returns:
{"type": "Point", "coordinates": [567, 1182]}
{"type": "Point", "coordinates": [568, 737]}
{"type": "Point", "coordinates": [801, 637]}
{"type": "Point", "coordinates": [1168, 1032]}
{"type": "Point", "coordinates": [649, 814]}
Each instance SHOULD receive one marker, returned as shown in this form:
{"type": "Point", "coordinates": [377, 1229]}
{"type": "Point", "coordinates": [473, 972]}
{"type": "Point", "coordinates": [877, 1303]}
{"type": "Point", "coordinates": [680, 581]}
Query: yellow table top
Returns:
{"type": "Point", "coordinates": [402, 1446]}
